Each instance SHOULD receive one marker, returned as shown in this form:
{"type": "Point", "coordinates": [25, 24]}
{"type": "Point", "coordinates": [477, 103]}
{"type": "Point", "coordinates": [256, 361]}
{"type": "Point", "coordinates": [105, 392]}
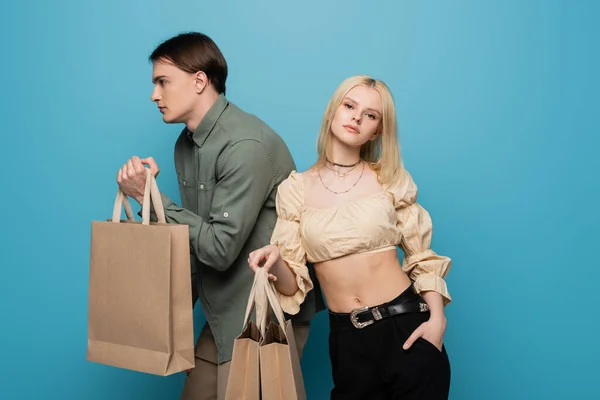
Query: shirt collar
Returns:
{"type": "Point", "coordinates": [209, 121]}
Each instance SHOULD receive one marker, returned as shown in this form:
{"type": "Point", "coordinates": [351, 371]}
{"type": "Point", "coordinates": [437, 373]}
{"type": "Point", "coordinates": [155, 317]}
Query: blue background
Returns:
{"type": "Point", "coordinates": [498, 111]}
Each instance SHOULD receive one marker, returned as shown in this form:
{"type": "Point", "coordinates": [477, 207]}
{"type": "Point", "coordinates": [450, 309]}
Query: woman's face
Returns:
{"type": "Point", "coordinates": [358, 118]}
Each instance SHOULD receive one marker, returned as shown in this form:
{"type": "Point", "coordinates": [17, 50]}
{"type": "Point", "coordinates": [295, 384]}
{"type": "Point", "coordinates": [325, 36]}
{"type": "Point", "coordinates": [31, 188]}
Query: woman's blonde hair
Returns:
{"type": "Point", "coordinates": [382, 153]}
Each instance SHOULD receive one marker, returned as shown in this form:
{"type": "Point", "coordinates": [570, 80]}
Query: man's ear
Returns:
{"type": "Point", "coordinates": [200, 81]}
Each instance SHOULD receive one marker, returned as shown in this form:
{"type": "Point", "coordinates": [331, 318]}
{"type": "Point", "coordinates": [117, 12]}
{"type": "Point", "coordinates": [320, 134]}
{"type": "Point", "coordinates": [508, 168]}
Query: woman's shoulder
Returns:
{"type": "Point", "coordinates": [290, 192]}
{"type": "Point", "coordinates": [403, 188]}
{"type": "Point", "coordinates": [300, 180]}
{"type": "Point", "coordinates": [311, 173]}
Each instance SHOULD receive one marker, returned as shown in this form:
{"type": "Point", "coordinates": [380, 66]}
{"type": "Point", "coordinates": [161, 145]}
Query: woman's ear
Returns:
{"type": "Point", "coordinates": [376, 134]}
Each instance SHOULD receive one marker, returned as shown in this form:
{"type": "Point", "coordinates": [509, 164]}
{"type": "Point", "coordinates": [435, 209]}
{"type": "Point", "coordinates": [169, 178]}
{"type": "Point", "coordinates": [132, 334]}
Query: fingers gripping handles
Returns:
{"type": "Point", "coordinates": [151, 195]}
{"type": "Point", "coordinates": [262, 297]}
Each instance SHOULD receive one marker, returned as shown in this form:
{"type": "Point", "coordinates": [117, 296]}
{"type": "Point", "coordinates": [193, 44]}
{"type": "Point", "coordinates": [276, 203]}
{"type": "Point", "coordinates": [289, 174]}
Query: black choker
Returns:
{"type": "Point", "coordinates": [342, 165]}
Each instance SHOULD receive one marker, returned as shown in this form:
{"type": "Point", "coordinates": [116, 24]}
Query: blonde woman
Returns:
{"type": "Point", "coordinates": [346, 215]}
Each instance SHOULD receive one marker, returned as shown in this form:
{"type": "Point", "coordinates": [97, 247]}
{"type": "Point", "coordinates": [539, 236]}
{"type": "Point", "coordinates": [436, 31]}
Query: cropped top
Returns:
{"type": "Point", "coordinates": [376, 222]}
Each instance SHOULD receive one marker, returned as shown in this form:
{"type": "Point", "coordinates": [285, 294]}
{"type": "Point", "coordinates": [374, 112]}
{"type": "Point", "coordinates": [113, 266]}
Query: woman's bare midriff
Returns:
{"type": "Point", "coordinates": [360, 280]}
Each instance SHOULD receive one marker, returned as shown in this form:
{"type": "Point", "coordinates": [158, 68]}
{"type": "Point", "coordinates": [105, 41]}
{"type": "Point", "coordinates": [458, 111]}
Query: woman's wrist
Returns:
{"type": "Point", "coordinates": [436, 306]}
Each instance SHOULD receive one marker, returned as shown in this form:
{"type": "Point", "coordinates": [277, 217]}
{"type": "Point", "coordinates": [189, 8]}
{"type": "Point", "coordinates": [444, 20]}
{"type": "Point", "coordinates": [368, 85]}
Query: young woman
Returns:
{"type": "Point", "coordinates": [346, 215]}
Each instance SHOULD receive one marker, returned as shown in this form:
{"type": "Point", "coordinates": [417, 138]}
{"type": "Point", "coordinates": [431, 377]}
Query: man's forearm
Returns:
{"type": "Point", "coordinates": [214, 246]}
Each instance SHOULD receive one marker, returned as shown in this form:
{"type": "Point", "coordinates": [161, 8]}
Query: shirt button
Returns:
{"type": "Point", "coordinates": [226, 215]}
{"type": "Point", "coordinates": [201, 186]}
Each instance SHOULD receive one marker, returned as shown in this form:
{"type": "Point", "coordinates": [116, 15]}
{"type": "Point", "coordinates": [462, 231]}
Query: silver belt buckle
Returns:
{"type": "Point", "coordinates": [359, 325]}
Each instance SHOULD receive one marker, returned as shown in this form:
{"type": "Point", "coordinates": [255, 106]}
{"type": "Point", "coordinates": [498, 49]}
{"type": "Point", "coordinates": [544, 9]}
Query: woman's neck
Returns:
{"type": "Point", "coordinates": [343, 155]}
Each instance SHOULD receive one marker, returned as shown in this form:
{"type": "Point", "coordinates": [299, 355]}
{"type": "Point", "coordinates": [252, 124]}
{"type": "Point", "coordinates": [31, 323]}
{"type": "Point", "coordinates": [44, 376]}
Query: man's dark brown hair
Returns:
{"type": "Point", "coordinates": [193, 52]}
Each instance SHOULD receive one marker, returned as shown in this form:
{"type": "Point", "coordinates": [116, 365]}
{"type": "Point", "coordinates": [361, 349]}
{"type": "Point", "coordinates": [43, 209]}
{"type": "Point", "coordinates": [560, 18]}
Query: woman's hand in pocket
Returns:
{"type": "Point", "coordinates": [432, 330]}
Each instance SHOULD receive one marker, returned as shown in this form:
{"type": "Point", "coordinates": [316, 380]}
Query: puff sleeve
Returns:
{"type": "Point", "coordinates": [425, 268]}
{"type": "Point", "coordinates": [286, 236]}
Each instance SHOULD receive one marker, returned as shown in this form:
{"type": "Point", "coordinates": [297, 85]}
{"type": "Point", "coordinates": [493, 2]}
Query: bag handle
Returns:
{"type": "Point", "coordinates": [159, 208]}
{"type": "Point", "coordinates": [268, 289]}
{"type": "Point", "coordinates": [257, 299]}
{"type": "Point", "coordinates": [122, 200]}
{"type": "Point", "coordinates": [151, 195]}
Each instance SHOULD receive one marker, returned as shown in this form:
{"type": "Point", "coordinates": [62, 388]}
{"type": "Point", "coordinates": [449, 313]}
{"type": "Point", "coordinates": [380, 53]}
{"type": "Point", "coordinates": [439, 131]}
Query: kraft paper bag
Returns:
{"type": "Point", "coordinates": [280, 372]}
{"type": "Point", "coordinates": [140, 300]}
{"type": "Point", "coordinates": [244, 373]}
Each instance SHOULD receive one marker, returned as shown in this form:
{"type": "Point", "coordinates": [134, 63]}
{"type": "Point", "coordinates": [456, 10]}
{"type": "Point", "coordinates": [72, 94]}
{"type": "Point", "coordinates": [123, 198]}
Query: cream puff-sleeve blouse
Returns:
{"type": "Point", "coordinates": [377, 222]}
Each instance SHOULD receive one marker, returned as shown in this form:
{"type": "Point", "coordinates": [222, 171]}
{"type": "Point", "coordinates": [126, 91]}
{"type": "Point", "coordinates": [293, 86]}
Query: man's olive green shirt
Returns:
{"type": "Point", "coordinates": [228, 172]}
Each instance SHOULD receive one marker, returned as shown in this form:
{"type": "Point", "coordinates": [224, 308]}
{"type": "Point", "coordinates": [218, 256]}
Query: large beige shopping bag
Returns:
{"type": "Point", "coordinates": [280, 372]}
{"type": "Point", "coordinates": [244, 373]}
{"type": "Point", "coordinates": [140, 301]}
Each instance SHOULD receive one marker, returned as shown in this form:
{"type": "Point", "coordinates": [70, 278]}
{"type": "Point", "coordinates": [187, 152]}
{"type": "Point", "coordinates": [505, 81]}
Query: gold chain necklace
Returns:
{"type": "Point", "coordinates": [345, 191]}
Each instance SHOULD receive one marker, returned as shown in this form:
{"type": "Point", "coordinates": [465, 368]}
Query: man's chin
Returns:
{"type": "Point", "coordinates": [168, 120]}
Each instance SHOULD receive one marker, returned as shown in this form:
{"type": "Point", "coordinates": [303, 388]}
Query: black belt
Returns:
{"type": "Point", "coordinates": [409, 301]}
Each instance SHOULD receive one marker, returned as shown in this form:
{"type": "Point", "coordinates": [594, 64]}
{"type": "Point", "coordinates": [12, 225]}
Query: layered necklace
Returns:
{"type": "Point", "coordinates": [341, 174]}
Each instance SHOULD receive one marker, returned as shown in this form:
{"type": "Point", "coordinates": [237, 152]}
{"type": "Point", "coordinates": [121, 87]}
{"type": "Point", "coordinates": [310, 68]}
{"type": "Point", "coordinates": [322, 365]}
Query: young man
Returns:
{"type": "Point", "coordinates": [229, 164]}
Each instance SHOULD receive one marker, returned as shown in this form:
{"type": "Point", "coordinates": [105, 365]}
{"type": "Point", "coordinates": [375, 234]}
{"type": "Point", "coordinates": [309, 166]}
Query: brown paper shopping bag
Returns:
{"type": "Point", "coordinates": [280, 372]}
{"type": "Point", "coordinates": [140, 302]}
{"type": "Point", "coordinates": [244, 373]}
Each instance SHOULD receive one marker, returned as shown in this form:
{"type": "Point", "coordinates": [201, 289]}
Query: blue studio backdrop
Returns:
{"type": "Point", "coordinates": [498, 113]}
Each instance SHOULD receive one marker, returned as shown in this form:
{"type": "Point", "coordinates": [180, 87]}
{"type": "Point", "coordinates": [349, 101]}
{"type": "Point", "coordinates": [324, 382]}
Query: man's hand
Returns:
{"type": "Point", "coordinates": [132, 177]}
{"type": "Point", "coordinates": [152, 165]}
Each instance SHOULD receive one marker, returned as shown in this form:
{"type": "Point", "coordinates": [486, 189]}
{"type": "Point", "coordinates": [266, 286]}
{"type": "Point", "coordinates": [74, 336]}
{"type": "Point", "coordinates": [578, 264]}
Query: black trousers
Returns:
{"type": "Point", "coordinates": [370, 363]}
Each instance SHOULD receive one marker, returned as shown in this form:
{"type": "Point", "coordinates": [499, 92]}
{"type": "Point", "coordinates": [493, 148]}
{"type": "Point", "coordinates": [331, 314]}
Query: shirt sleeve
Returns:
{"type": "Point", "coordinates": [245, 180]}
{"type": "Point", "coordinates": [424, 267]}
{"type": "Point", "coordinates": [286, 236]}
